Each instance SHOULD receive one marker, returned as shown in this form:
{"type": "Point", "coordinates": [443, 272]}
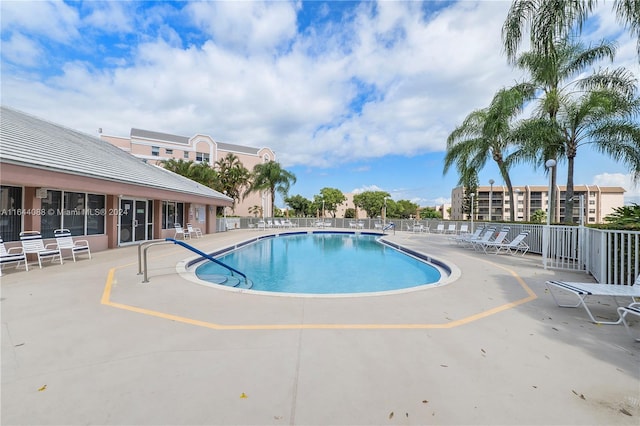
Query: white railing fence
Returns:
{"type": "Point", "coordinates": [611, 256]}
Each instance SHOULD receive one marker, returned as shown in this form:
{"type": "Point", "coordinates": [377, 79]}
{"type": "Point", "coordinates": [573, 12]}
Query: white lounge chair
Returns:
{"type": "Point", "coordinates": [485, 236]}
{"type": "Point", "coordinates": [632, 309]}
{"type": "Point", "coordinates": [517, 245]}
{"type": "Point", "coordinates": [180, 232]}
{"type": "Point", "coordinates": [66, 242]}
{"type": "Point", "coordinates": [352, 224]}
{"type": "Point", "coordinates": [464, 238]}
{"type": "Point", "coordinates": [585, 290]}
{"type": "Point", "coordinates": [12, 255]}
{"type": "Point", "coordinates": [261, 225]}
{"type": "Point", "coordinates": [464, 229]}
{"type": "Point", "coordinates": [193, 231]}
{"type": "Point", "coordinates": [440, 228]}
{"type": "Point", "coordinates": [32, 243]}
{"type": "Point", "coordinates": [451, 228]}
{"type": "Point", "coordinates": [500, 238]}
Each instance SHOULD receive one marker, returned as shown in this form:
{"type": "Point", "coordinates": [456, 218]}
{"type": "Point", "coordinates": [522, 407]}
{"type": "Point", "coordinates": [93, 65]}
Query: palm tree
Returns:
{"type": "Point", "coordinates": [233, 177]}
{"type": "Point", "coordinates": [180, 167]}
{"type": "Point", "coordinates": [552, 20]}
{"type": "Point", "coordinates": [559, 82]}
{"type": "Point", "coordinates": [484, 134]}
{"type": "Point", "coordinates": [270, 176]}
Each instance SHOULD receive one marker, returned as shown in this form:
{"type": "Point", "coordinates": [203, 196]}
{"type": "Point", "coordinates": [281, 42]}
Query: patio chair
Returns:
{"type": "Point", "coordinates": [352, 224]}
{"type": "Point", "coordinates": [66, 242]}
{"type": "Point", "coordinates": [32, 243]}
{"type": "Point", "coordinates": [632, 309]}
{"type": "Point", "coordinates": [500, 238]}
{"type": "Point", "coordinates": [464, 229]}
{"type": "Point", "coordinates": [464, 238]}
{"type": "Point", "coordinates": [585, 290]}
{"type": "Point", "coordinates": [193, 231]}
{"type": "Point", "coordinates": [180, 231]}
{"type": "Point", "coordinates": [484, 237]}
{"type": "Point", "coordinates": [517, 245]}
{"type": "Point", "coordinates": [451, 228]}
{"type": "Point", "coordinates": [440, 228]}
{"type": "Point", "coordinates": [12, 255]}
{"type": "Point", "coordinates": [261, 224]}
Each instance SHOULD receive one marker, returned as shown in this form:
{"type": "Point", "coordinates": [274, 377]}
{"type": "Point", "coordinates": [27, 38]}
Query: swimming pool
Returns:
{"type": "Point", "coordinates": [322, 263]}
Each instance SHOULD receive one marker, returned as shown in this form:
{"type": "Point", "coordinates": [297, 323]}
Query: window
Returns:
{"type": "Point", "coordinates": [592, 219]}
{"type": "Point", "coordinates": [592, 211]}
{"type": "Point", "coordinates": [10, 212]}
{"type": "Point", "coordinates": [168, 151]}
{"type": "Point", "coordinates": [172, 212]}
{"type": "Point", "coordinates": [52, 217]}
{"type": "Point", "coordinates": [266, 158]}
{"type": "Point", "coordinates": [155, 151]}
{"type": "Point", "coordinates": [592, 202]}
{"type": "Point", "coordinates": [186, 155]}
{"type": "Point", "coordinates": [95, 214]}
{"type": "Point", "coordinates": [202, 157]}
{"type": "Point", "coordinates": [79, 212]}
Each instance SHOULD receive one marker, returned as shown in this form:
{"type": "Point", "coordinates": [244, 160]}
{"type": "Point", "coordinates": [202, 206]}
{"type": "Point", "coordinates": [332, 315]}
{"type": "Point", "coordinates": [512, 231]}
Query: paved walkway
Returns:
{"type": "Point", "coordinates": [89, 343]}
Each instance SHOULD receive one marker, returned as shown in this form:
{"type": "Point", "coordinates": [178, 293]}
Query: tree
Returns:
{"type": "Point", "coordinates": [539, 216]}
{"type": "Point", "coordinates": [552, 20]}
{"type": "Point", "coordinates": [469, 182]}
{"type": "Point", "coordinates": [486, 134]}
{"type": "Point", "coordinates": [255, 210]}
{"type": "Point", "coordinates": [371, 201]}
{"type": "Point", "coordinates": [404, 209]}
{"type": "Point", "coordinates": [574, 110]}
{"type": "Point", "coordinates": [299, 204]}
{"type": "Point", "coordinates": [233, 177]}
{"type": "Point", "coordinates": [332, 198]}
{"type": "Point", "coordinates": [271, 177]}
{"type": "Point", "coordinates": [625, 215]}
{"type": "Point", "coordinates": [200, 172]}
{"type": "Point", "coordinates": [350, 213]}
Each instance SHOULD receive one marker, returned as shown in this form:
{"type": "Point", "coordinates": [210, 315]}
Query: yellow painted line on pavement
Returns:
{"type": "Point", "coordinates": [106, 300]}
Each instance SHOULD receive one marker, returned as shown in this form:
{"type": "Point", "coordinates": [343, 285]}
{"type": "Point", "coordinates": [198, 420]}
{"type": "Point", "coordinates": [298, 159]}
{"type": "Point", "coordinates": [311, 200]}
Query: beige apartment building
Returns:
{"type": "Point", "coordinates": [154, 147]}
{"type": "Point", "coordinates": [597, 201]}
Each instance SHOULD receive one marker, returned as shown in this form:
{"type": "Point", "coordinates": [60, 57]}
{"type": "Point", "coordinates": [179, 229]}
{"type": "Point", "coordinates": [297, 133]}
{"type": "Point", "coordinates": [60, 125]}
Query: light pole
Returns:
{"type": "Point", "coordinates": [472, 195]}
{"type": "Point", "coordinates": [546, 234]}
{"type": "Point", "coordinates": [384, 214]}
{"type": "Point", "coordinates": [491, 182]}
{"type": "Point", "coordinates": [323, 209]}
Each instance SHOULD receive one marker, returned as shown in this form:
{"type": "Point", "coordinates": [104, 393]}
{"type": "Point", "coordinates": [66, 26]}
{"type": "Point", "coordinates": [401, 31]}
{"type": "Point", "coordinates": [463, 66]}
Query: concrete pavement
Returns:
{"type": "Point", "coordinates": [89, 343]}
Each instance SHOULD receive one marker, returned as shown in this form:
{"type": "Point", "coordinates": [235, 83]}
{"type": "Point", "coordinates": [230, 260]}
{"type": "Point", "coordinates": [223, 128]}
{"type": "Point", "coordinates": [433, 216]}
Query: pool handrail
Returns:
{"type": "Point", "coordinates": [207, 256]}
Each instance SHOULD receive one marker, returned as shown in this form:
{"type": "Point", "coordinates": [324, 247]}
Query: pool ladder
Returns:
{"type": "Point", "coordinates": [143, 269]}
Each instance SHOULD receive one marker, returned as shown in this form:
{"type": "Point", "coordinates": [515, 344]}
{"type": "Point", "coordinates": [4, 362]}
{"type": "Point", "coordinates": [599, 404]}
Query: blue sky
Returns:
{"type": "Point", "coordinates": [350, 95]}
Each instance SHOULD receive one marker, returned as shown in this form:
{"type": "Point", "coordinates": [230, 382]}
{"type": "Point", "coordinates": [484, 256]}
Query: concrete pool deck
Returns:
{"type": "Point", "coordinates": [89, 343]}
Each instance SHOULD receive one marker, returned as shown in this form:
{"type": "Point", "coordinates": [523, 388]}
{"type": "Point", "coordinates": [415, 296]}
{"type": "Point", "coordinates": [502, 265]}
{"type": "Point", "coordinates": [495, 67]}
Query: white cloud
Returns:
{"type": "Point", "coordinates": [366, 188]}
{"type": "Point", "coordinates": [618, 179]}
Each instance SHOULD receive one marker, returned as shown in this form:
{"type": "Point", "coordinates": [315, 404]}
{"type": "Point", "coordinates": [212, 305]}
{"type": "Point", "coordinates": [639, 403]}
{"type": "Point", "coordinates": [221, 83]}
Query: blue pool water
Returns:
{"type": "Point", "coordinates": [323, 264]}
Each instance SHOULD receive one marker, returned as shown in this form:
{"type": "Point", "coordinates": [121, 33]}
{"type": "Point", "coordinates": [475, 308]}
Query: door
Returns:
{"type": "Point", "coordinates": [133, 221]}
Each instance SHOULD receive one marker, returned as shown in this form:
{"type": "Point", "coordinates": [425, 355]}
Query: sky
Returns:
{"type": "Point", "coordinates": [350, 95]}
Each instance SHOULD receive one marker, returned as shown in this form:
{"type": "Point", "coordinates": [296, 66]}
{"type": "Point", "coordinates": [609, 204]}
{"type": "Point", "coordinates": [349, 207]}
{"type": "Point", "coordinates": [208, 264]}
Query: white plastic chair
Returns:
{"type": "Point", "coordinates": [32, 243]}
{"type": "Point", "coordinates": [180, 232]}
{"type": "Point", "coordinates": [66, 242]}
{"type": "Point", "coordinates": [12, 255]}
{"type": "Point", "coordinates": [193, 231]}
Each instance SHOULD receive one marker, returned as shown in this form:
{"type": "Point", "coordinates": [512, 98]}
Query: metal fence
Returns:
{"type": "Point", "coordinates": [610, 256]}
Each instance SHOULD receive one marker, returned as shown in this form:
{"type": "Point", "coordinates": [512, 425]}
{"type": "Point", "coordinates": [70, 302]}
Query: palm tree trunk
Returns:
{"type": "Point", "coordinates": [552, 195]}
{"type": "Point", "coordinates": [512, 210]}
{"type": "Point", "coordinates": [568, 201]}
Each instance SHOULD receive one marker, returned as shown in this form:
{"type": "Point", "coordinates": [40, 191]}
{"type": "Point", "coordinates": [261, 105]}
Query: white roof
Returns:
{"type": "Point", "coordinates": [30, 141]}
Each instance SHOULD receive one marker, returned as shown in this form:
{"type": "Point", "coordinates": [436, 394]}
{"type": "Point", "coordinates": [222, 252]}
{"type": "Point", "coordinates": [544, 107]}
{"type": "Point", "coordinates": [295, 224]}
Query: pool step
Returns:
{"type": "Point", "coordinates": [227, 280]}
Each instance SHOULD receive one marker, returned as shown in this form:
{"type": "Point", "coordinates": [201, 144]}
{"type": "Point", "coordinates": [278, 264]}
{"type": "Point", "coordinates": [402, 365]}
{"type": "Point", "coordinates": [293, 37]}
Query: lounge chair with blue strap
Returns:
{"type": "Point", "coordinates": [12, 255]}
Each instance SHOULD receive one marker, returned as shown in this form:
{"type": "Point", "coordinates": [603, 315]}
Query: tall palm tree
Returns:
{"type": "Point", "coordinates": [270, 176]}
{"type": "Point", "coordinates": [233, 177]}
{"type": "Point", "coordinates": [559, 81]}
{"type": "Point", "coordinates": [550, 20]}
{"type": "Point", "coordinates": [485, 134]}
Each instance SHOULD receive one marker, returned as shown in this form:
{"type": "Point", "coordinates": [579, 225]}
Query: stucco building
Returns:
{"type": "Point", "coordinates": [598, 202]}
{"type": "Point", "coordinates": [54, 177]}
{"type": "Point", "coordinates": [154, 147]}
